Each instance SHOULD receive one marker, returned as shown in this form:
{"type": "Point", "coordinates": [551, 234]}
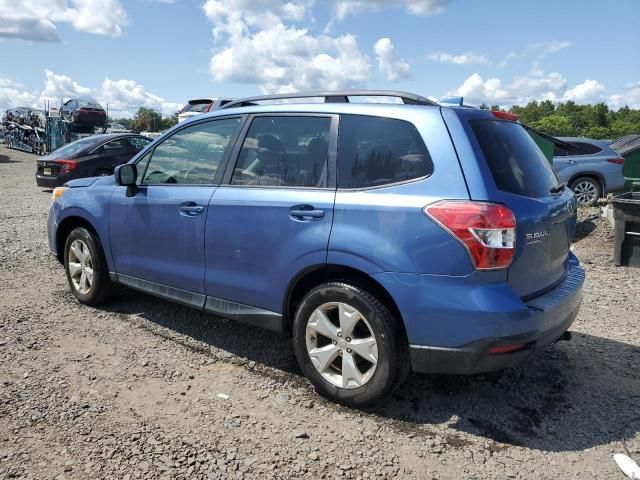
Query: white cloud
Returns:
{"type": "Point", "coordinates": [389, 62]}
{"type": "Point", "coordinates": [36, 19]}
{"type": "Point", "coordinates": [629, 97]}
{"type": "Point", "coordinates": [344, 8]}
{"type": "Point", "coordinates": [258, 47]}
{"type": "Point", "coordinates": [589, 91]}
{"type": "Point", "coordinates": [12, 94]}
{"type": "Point", "coordinates": [520, 90]}
{"type": "Point", "coordinates": [537, 50]}
{"type": "Point", "coordinates": [123, 97]}
{"type": "Point", "coordinates": [467, 58]}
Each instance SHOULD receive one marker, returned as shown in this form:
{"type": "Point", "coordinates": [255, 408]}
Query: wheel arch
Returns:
{"type": "Point", "coordinates": [319, 274]}
{"type": "Point", "coordinates": [590, 174]}
{"type": "Point", "coordinates": [66, 227]}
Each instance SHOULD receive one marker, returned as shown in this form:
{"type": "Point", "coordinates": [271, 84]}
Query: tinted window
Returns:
{"type": "Point", "coordinates": [284, 151]}
{"type": "Point", "coordinates": [72, 148]}
{"type": "Point", "coordinates": [138, 143]}
{"type": "Point", "coordinates": [192, 155]}
{"type": "Point", "coordinates": [517, 164]}
{"type": "Point", "coordinates": [377, 151]}
{"type": "Point", "coordinates": [195, 107]}
{"type": "Point", "coordinates": [118, 145]}
{"type": "Point", "coordinates": [560, 152]}
{"type": "Point", "coordinates": [583, 148]}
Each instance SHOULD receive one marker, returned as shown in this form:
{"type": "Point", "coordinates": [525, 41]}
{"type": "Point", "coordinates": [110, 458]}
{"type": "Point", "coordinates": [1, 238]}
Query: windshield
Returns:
{"type": "Point", "coordinates": [516, 163]}
{"type": "Point", "coordinates": [72, 148]}
{"type": "Point", "coordinates": [196, 107]}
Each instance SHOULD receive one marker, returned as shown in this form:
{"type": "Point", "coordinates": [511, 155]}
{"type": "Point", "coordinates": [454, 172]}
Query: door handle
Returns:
{"type": "Point", "coordinates": [191, 210]}
{"type": "Point", "coordinates": [302, 213]}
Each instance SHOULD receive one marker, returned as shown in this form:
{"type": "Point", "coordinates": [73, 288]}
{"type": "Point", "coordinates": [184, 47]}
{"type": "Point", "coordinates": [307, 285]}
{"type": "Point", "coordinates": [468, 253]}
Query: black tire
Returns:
{"type": "Point", "coordinates": [102, 288]}
{"type": "Point", "coordinates": [393, 363]}
{"type": "Point", "coordinates": [585, 184]}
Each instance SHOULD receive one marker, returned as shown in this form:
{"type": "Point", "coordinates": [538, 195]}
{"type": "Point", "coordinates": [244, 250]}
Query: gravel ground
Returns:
{"type": "Point", "coordinates": [147, 389]}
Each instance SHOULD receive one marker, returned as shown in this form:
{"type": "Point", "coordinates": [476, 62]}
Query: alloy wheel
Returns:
{"type": "Point", "coordinates": [586, 193]}
{"type": "Point", "coordinates": [341, 345]}
{"type": "Point", "coordinates": [80, 266]}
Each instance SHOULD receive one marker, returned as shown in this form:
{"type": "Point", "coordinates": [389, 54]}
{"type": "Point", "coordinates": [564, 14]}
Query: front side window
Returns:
{"type": "Point", "coordinates": [284, 152]}
{"type": "Point", "coordinates": [376, 151]}
{"type": "Point", "coordinates": [138, 143]}
{"type": "Point", "coordinates": [192, 155]}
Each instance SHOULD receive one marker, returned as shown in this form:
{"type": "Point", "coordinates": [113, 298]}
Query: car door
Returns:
{"type": "Point", "coordinates": [272, 216]}
{"type": "Point", "coordinates": [157, 235]}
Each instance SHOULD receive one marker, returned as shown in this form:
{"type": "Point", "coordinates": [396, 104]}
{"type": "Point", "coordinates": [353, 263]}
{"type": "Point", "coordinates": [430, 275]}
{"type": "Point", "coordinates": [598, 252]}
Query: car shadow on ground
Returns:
{"type": "Point", "coordinates": [572, 396]}
{"type": "Point", "coordinates": [6, 159]}
{"type": "Point", "coordinates": [585, 227]}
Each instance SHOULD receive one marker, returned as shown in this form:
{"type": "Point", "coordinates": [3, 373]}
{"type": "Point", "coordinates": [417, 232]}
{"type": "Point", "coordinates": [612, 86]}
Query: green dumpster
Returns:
{"type": "Point", "coordinates": [629, 147]}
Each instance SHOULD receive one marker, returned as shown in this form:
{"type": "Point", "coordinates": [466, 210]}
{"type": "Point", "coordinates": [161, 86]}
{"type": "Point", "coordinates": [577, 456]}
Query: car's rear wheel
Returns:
{"type": "Point", "coordinates": [87, 271]}
{"type": "Point", "coordinates": [587, 190]}
{"type": "Point", "coordinates": [349, 345]}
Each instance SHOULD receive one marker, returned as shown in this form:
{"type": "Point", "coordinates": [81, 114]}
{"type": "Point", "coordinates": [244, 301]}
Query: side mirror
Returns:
{"type": "Point", "coordinates": [126, 176]}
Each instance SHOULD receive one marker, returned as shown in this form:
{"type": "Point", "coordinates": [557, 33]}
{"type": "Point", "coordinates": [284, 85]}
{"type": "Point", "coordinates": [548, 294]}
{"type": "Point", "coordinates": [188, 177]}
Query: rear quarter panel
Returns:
{"type": "Point", "coordinates": [383, 229]}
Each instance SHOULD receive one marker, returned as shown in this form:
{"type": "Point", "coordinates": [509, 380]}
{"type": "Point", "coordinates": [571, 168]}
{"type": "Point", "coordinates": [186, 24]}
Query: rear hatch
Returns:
{"type": "Point", "coordinates": [545, 212]}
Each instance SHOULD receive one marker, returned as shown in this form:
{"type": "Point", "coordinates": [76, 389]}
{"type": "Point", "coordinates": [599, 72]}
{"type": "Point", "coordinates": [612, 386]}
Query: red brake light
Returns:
{"type": "Point", "coordinates": [618, 161]}
{"type": "Point", "coordinates": [487, 230]}
{"type": "Point", "coordinates": [505, 116]}
{"type": "Point", "coordinates": [66, 165]}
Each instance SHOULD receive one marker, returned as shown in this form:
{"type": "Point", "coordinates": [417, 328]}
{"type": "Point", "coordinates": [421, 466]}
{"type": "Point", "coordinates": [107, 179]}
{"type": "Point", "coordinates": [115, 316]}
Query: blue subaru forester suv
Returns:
{"type": "Point", "coordinates": [381, 237]}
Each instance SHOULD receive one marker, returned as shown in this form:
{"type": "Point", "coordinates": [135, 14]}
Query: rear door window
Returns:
{"type": "Point", "coordinates": [285, 151]}
{"type": "Point", "coordinates": [376, 151]}
{"type": "Point", "coordinates": [583, 148]}
{"type": "Point", "coordinates": [516, 163]}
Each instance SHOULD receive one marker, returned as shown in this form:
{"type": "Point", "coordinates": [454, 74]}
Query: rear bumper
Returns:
{"type": "Point", "coordinates": [47, 181]}
{"type": "Point", "coordinates": [487, 317]}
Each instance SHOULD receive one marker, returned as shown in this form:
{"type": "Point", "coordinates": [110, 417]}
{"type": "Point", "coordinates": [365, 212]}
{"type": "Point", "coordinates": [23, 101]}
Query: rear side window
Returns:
{"type": "Point", "coordinates": [284, 152]}
{"type": "Point", "coordinates": [583, 148]}
{"type": "Point", "coordinates": [516, 163]}
{"type": "Point", "coordinates": [375, 151]}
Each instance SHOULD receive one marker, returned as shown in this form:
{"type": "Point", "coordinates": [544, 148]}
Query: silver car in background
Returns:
{"type": "Point", "coordinates": [591, 170]}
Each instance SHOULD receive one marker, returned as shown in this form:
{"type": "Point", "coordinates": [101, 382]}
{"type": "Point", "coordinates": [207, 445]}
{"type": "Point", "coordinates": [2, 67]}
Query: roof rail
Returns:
{"type": "Point", "coordinates": [341, 96]}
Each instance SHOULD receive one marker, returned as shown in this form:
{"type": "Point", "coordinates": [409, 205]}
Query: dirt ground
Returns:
{"type": "Point", "coordinates": [147, 389]}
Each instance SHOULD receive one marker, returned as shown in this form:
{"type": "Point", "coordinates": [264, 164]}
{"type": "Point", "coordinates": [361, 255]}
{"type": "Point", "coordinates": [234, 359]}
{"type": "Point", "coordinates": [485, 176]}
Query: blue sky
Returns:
{"type": "Point", "coordinates": [158, 54]}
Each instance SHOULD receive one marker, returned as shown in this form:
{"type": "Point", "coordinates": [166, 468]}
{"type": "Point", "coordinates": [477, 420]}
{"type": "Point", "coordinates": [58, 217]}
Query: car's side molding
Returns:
{"type": "Point", "coordinates": [239, 312]}
{"type": "Point", "coordinates": [245, 314]}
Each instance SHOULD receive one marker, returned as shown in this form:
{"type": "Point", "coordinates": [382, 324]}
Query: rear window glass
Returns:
{"type": "Point", "coordinates": [196, 107]}
{"type": "Point", "coordinates": [375, 151]}
{"type": "Point", "coordinates": [517, 164]}
{"type": "Point", "coordinates": [86, 104]}
{"type": "Point", "coordinates": [72, 148]}
{"type": "Point", "coordinates": [583, 148]}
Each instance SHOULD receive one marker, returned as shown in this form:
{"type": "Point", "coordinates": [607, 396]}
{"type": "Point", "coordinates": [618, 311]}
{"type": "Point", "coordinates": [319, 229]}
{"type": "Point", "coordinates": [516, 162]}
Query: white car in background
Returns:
{"type": "Point", "coordinates": [116, 128]}
{"type": "Point", "coordinates": [201, 105]}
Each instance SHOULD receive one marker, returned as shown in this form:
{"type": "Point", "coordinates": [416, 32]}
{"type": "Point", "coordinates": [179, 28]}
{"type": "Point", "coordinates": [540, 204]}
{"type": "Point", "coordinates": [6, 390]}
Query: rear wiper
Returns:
{"type": "Point", "coordinates": [558, 188]}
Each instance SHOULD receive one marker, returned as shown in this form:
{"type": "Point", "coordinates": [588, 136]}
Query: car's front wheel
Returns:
{"type": "Point", "coordinates": [349, 345]}
{"type": "Point", "coordinates": [86, 268]}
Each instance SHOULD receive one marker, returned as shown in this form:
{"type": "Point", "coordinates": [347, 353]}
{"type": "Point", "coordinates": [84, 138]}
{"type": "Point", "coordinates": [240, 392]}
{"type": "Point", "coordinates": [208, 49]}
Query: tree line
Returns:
{"type": "Point", "coordinates": [568, 119]}
{"type": "Point", "coordinates": [147, 120]}
{"type": "Point", "coordinates": [565, 119]}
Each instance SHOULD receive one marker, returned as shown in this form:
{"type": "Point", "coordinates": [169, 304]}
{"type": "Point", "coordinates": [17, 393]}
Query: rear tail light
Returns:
{"type": "Point", "coordinates": [505, 115]}
{"type": "Point", "coordinates": [618, 161]}
{"type": "Point", "coordinates": [487, 230]}
{"type": "Point", "coordinates": [66, 165]}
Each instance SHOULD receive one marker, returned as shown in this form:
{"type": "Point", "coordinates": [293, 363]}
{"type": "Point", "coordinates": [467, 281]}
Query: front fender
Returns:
{"type": "Point", "coordinates": [88, 204]}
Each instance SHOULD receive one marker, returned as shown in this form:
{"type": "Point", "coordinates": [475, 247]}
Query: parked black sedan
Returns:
{"type": "Point", "coordinates": [88, 157]}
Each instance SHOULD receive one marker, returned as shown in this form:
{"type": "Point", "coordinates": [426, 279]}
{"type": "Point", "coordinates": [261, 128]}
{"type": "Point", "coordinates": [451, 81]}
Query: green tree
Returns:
{"type": "Point", "coordinates": [147, 120]}
{"type": "Point", "coordinates": [168, 122]}
{"type": "Point", "coordinates": [557, 125]}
